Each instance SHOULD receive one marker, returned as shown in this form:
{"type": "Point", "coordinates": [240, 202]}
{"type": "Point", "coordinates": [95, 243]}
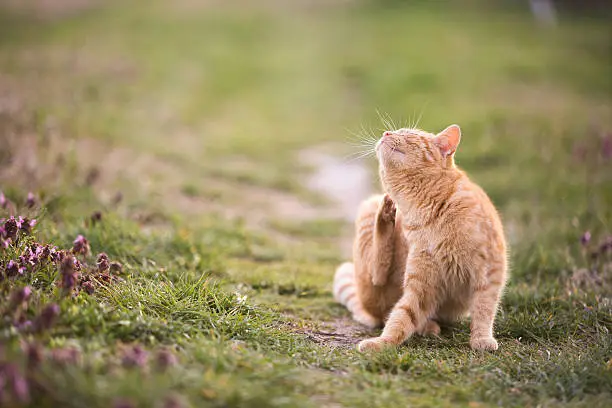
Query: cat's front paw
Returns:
{"type": "Point", "coordinates": [484, 344]}
{"type": "Point", "coordinates": [373, 344]}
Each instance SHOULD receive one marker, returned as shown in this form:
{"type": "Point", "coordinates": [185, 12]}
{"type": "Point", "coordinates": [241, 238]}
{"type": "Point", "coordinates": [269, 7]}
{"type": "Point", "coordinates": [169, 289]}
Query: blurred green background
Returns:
{"type": "Point", "coordinates": [230, 128]}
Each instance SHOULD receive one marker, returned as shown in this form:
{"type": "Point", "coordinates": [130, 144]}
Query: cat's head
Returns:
{"type": "Point", "coordinates": [406, 152]}
{"type": "Point", "coordinates": [414, 150]}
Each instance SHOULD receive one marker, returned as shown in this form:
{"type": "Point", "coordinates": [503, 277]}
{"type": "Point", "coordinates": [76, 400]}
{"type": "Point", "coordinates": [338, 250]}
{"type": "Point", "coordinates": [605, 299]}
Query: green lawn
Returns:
{"type": "Point", "coordinates": [186, 125]}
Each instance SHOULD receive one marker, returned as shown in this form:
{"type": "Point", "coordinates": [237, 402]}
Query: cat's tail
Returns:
{"type": "Point", "coordinates": [345, 288]}
{"type": "Point", "coordinates": [345, 293]}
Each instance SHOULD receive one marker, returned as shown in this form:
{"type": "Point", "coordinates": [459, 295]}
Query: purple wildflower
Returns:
{"type": "Point", "coordinates": [21, 389]}
{"type": "Point", "coordinates": [19, 386]}
{"type": "Point", "coordinates": [67, 270]}
{"type": "Point", "coordinates": [80, 245]}
{"type": "Point", "coordinates": [165, 359]}
{"type": "Point", "coordinates": [10, 228]}
{"type": "Point", "coordinates": [34, 355]}
{"type": "Point", "coordinates": [88, 287]}
{"type": "Point", "coordinates": [26, 225]}
{"type": "Point", "coordinates": [20, 296]}
{"type": "Point", "coordinates": [46, 251]}
{"type": "Point", "coordinates": [585, 238]}
{"type": "Point", "coordinates": [135, 357]}
{"type": "Point", "coordinates": [24, 260]}
{"type": "Point", "coordinates": [3, 200]}
{"type": "Point", "coordinates": [77, 265]}
{"type": "Point", "coordinates": [47, 317]}
{"type": "Point", "coordinates": [58, 256]}
{"type": "Point", "coordinates": [13, 269]}
{"type": "Point", "coordinates": [103, 264]}
{"type": "Point", "coordinates": [24, 325]}
{"type": "Point", "coordinates": [29, 258]}
{"type": "Point", "coordinates": [68, 281]}
{"type": "Point", "coordinates": [31, 200]}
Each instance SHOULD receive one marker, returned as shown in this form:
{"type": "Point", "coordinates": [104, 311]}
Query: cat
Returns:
{"type": "Point", "coordinates": [432, 249]}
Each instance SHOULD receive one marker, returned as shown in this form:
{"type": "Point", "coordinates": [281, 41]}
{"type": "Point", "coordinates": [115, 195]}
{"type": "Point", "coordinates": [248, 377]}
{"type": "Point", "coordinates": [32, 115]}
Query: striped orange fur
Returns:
{"type": "Point", "coordinates": [432, 249]}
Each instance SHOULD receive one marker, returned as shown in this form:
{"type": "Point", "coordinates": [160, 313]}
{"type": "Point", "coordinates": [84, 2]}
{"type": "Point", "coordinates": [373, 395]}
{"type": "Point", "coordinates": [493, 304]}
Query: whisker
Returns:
{"type": "Point", "coordinates": [421, 114]}
{"type": "Point", "coordinates": [362, 146]}
{"type": "Point", "coordinates": [357, 156]}
{"type": "Point", "coordinates": [360, 139]}
{"type": "Point", "coordinates": [353, 133]}
{"type": "Point", "coordinates": [392, 122]}
{"type": "Point", "coordinates": [364, 140]}
{"type": "Point", "coordinates": [369, 132]}
{"type": "Point", "coordinates": [384, 120]}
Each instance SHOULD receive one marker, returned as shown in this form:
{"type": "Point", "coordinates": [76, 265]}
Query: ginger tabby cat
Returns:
{"type": "Point", "coordinates": [431, 250]}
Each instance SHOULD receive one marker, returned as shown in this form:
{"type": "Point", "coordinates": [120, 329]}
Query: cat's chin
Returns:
{"type": "Point", "coordinates": [391, 161]}
{"type": "Point", "coordinates": [386, 149]}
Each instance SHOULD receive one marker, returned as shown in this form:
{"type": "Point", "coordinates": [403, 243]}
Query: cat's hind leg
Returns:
{"type": "Point", "coordinates": [383, 241]}
{"type": "Point", "coordinates": [430, 328]}
{"type": "Point", "coordinates": [483, 310]}
{"type": "Point", "coordinates": [345, 293]}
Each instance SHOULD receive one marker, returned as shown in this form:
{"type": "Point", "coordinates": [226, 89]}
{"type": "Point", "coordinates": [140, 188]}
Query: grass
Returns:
{"type": "Point", "coordinates": [198, 115]}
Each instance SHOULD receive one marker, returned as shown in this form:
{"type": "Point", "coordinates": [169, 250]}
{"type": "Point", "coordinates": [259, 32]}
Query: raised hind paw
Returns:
{"type": "Point", "coordinates": [484, 344]}
{"type": "Point", "coordinates": [387, 210]}
{"type": "Point", "coordinates": [374, 344]}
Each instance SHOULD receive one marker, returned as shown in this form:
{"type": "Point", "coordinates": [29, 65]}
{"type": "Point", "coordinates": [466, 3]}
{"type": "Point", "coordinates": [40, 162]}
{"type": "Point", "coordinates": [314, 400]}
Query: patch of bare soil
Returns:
{"type": "Point", "coordinates": [345, 183]}
{"type": "Point", "coordinates": [342, 332]}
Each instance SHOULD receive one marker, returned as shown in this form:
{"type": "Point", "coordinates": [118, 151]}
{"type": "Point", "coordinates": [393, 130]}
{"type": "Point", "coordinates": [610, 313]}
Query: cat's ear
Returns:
{"type": "Point", "coordinates": [448, 140]}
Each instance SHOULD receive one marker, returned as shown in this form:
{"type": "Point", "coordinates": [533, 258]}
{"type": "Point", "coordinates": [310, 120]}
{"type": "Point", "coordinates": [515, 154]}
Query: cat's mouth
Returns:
{"type": "Point", "coordinates": [387, 149]}
{"type": "Point", "coordinates": [390, 147]}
